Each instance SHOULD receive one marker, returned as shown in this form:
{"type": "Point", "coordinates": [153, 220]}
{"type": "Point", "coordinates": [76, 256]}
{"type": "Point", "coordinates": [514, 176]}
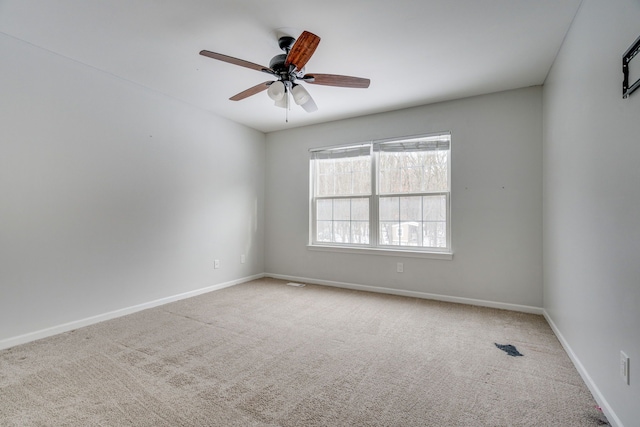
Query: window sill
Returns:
{"type": "Point", "coordinates": [405, 253]}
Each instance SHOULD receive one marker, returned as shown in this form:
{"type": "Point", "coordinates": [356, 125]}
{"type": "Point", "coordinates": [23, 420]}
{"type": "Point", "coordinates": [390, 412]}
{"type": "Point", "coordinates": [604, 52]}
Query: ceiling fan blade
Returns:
{"type": "Point", "coordinates": [337, 80]}
{"type": "Point", "coordinates": [236, 61]}
{"type": "Point", "coordinates": [251, 91]}
{"type": "Point", "coordinates": [302, 50]}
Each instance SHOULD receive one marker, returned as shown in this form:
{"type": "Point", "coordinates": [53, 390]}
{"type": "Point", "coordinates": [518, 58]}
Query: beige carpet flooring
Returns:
{"type": "Point", "coordinates": [266, 354]}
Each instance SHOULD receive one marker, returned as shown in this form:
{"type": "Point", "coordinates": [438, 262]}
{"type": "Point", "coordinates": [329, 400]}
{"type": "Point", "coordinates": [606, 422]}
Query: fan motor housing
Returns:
{"type": "Point", "coordinates": [277, 63]}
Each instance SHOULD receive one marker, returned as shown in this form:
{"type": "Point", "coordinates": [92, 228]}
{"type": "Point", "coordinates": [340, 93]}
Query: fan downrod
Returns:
{"type": "Point", "coordinates": [286, 42]}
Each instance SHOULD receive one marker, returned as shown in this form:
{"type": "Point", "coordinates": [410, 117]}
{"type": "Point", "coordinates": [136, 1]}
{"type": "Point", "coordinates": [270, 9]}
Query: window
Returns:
{"type": "Point", "coordinates": [391, 194]}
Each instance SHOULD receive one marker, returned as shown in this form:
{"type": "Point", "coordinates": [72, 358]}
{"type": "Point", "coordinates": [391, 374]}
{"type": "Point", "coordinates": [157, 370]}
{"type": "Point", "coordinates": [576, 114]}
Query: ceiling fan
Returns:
{"type": "Point", "coordinates": [289, 70]}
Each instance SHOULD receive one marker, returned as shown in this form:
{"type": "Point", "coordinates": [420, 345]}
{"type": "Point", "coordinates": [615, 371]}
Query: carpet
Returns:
{"type": "Point", "coordinates": [266, 354]}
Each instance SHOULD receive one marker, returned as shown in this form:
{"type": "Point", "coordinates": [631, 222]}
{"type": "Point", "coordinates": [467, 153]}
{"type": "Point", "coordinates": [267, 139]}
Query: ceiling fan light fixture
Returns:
{"type": "Point", "coordinates": [288, 68]}
{"type": "Point", "coordinates": [310, 106]}
{"type": "Point", "coordinates": [276, 91]}
{"type": "Point", "coordinates": [300, 95]}
{"type": "Point", "coordinates": [282, 102]}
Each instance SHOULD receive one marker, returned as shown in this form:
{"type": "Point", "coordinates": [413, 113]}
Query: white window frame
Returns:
{"type": "Point", "coordinates": [374, 247]}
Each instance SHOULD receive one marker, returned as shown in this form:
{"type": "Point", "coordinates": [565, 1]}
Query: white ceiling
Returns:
{"type": "Point", "coordinates": [414, 51]}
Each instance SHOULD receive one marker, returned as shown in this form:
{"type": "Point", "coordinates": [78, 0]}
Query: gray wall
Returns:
{"type": "Point", "coordinates": [592, 202]}
{"type": "Point", "coordinates": [496, 201]}
{"type": "Point", "coordinates": [114, 196]}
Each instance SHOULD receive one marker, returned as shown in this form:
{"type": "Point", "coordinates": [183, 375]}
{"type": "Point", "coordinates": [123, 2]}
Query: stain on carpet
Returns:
{"type": "Point", "coordinates": [509, 349]}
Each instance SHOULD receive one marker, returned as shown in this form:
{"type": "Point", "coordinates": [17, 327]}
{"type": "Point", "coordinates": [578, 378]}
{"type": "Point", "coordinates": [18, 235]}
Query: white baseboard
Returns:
{"type": "Point", "coordinates": [595, 391]}
{"type": "Point", "coordinates": [415, 294]}
{"type": "Point", "coordinates": [54, 330]}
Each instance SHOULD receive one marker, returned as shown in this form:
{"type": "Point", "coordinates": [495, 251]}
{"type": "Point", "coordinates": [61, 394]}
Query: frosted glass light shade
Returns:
{"type": "Point", "coordinates": [300, 95]}
{"type": "Point", "coordinates": [276, 91]}
{"type": "Point", "coordinates": [310, 106]}
{"type": "Point", "coordinates": [282, 102]}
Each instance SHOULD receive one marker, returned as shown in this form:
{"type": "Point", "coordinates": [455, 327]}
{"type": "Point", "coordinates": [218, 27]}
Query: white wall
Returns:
{"type": "Point", "coordinates": [112, 195]}
{"type": "Point", "coordinates": [592, 201]}
{"type": "Point", "coordinates": [496, 200]}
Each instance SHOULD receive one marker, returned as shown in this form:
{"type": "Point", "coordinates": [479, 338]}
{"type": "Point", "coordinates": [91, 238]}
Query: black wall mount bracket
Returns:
{"type": "Point", "coordinates": [628, 89]}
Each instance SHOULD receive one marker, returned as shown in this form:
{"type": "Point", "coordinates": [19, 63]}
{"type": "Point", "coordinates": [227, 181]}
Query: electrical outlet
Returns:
{"type": "Point", "coordinates": [624, 367]}
{"type": "Point", "coordinates": [400, 267]}
{"type": "Point", "coordinates": [216, 263]}
{"type": "Point", "coordinates": [243, 259]}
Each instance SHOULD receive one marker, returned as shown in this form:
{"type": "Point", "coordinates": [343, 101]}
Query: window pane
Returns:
{"type": "Point", "coordinates": [342, 209]}
{"type": "Point", "coordinates": [410, 165]}
{"type": "Point", "coordinates": [325, 185]}
{"type": "Point", "coordinates": [390, 177]}
{"type": "Point", "coordinates": [323, 231]}
{"type": "Point", "coordinates": [343, 184]}
{"type": "Point", "coordinates": [388, 233]}
{"type": "Point", "coordinates": [436, 171]}
{"type": "Point", "coordinates": [410, 208]}
{"type": "Point", "coordinates": [435, 221]}
{"type": "Point", "coordinates": [343, 220]}
{"type": "Point", "coordinates": [435, 208]}
{"type": "Point", "coordinates": [360, 232]}
{"type": "Point", "coordinates": [389, 208]}
{"type": "Point", "coordinates": [411, 178]}
{"type": "Point", "coordinates": [413, 172]}
{"type": "Point", "coordinates": [324, 210]}
{"type": "Point", "coordinates": [360, 209]}
{"type": "Point", "coordinates": [362, 182]}
{"type": "Point", "coordinates": [343, 177]}
{"type": "Point", "coordinates": [413, 221]}
{"type": "Point", "coordinates": [342, 231]}
{"type": "Point", "coordinates": [435, 234]}
{"type": "Point", "coordinates": [324, 166]}
{"type": "Point", "coordinates": [410, 233]}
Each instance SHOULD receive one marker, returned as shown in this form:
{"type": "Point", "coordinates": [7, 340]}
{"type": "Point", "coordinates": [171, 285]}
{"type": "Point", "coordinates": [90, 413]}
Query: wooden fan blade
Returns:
{"type": "Point", "coordinates": [302, 50]}
{"type": "Point", "coordinates": [236, 61]}
{"type": "Point", "coordinates": [337, 80]}
{"type": "Point", "coordinates": [251, 91]}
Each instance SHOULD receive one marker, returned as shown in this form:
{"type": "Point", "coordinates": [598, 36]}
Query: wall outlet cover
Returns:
{"type": "Point", "coordinates": [624, 367]}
